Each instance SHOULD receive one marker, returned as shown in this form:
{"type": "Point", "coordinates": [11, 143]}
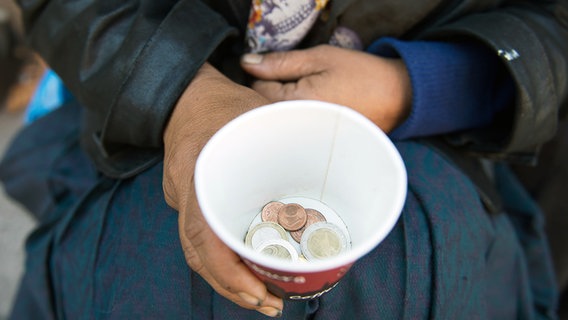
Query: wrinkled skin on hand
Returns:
{"type": "Point", "coordinates": [208, 103]}
{"type": "Point", "coordinates": [377, 87]}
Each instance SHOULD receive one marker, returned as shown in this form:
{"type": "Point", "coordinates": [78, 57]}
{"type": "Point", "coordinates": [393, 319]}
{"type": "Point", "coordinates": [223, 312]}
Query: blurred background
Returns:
{"type": "Point", "coordinates": [19, 72]}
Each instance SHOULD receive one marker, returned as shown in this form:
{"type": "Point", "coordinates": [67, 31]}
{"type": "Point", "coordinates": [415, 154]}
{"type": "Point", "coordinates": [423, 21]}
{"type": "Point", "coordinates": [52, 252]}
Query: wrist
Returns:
{"type": "Point", "coordinates": [391, 104]}
{"type": "Point", "coordinates": [199, 92]}
{"type": "Point", "coordinates": [403, 102]}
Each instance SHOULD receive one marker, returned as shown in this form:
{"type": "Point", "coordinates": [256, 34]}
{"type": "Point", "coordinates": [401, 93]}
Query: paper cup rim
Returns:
{"type": "Point", "coordinates": [352, 255]}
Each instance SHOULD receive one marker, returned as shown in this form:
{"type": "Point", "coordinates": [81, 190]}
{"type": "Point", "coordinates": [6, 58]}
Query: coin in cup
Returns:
{"type": "Point", "coordinates": [323, 240]}
{"type": "Point", "coordinates": [278, 248]}
{"type": "Point", "coordinates": [314, 216]}
{"type": "Point", "coordinates": [270, 211]}
{"type": "Point", "coordinates": [262, 232]}
{"type": "Point", "coordinates": [292, 216]}
{"type": "Point", "coordinates": [312, 165]}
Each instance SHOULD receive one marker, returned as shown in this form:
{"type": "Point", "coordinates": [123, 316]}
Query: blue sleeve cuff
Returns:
{"type": "Point", "coordinates": [455, 86]}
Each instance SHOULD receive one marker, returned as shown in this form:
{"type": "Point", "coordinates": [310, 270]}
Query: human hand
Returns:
{"type": "Point", "coordinates": [377, 87]}
{"type": "Point", "coordinates": [208, 103]}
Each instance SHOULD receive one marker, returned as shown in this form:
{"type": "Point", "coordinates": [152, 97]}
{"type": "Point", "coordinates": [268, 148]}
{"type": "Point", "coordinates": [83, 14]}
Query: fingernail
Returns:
{"type": "Point", "coordinates": [252, 58]}
{"type": "Point", "coordinates": [270, 311]}
{"type": "Point", "coordinates": [250, 299]}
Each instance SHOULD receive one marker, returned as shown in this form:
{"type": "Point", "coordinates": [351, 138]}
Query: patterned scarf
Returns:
{"type": "Point", "coordinates": [279, 25]}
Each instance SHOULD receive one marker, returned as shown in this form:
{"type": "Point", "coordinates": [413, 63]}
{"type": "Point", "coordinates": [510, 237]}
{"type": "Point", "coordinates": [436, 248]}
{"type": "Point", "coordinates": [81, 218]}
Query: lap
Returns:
{"type": "Point", "coordinates": [111, 250]}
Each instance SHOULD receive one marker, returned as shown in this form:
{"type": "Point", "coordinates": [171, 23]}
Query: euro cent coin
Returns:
{"type": "Point", "coordinates": [292, 216]}
{"type": "Point", "coordinates": [278, 248]}
{"type": "Point", "coordinates": [262, 232]}
{"type": "Point", "coordinates": [270, 211]}
{"type": "Point", "coordinates": [323, 240]}
{"type": "Point", "coordinates": [314, 216]}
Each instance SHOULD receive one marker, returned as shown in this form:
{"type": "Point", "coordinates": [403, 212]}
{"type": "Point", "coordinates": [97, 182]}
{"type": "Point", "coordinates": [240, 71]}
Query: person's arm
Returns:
{"type": "Point", "coordinates": [208, 103]}
{"type": "Point", "coordinates": [126, 61]}
{"type": "Point", "coordinates": [531, 39]}
{"type": "Point", "coordinates": [455, 86]}
{"type": "Point", "coordinates": [140, 68]}
{"type": "Point", "coordinates": [417, 88]}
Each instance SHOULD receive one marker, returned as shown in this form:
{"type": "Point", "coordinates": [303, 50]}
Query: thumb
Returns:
{"type": "Point", "coordinates": [281, 66]}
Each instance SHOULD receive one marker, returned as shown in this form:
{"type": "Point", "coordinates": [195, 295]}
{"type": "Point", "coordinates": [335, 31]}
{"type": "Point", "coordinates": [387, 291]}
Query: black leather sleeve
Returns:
{"type": "Point", "coordinates": [531, 38]}
{"type": "Point", "coordinates": [126, 61]}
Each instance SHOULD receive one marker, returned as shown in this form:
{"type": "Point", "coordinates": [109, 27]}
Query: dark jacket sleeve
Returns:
{"type": "Point", "coordinates": [531, 38]}
{"type": "Point", "coordinates": [126, 61]}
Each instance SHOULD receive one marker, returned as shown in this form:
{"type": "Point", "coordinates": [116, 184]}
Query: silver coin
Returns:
{"type": "Point", "coordinates": [313, 217]}
{"type": "Point", "coordinates": [262, 232]}
{"type": "Point", "coordinates": [278, 248]}
{"type": "Point", "coordinates": [323, 240]}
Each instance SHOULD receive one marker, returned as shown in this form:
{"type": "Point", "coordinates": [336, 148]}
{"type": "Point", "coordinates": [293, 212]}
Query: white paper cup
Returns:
{"type": "Point", "coordinates": [320, 155]}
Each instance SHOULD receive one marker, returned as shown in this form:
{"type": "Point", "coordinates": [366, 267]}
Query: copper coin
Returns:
{"type": "Point", "coordinates": [270, 211]}
{"type": "Point", "coordinates": [292, 216]}
{"type": "Point", "coordinates": [313, 217]}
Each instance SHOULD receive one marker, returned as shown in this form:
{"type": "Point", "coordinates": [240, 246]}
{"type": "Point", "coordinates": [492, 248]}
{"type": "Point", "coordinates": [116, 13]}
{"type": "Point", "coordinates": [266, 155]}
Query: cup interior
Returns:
{"type": "Point", "coordinates": [309, 149]}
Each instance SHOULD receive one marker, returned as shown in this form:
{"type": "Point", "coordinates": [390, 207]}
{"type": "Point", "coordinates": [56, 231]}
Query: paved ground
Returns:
{"type": "Point", "coordinates": [15, 225]}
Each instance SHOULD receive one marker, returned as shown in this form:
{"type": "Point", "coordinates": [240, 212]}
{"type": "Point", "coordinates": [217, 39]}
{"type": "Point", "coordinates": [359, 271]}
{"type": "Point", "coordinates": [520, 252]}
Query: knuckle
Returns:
{"type": "Point", "coordinates": [193, 260]}
{"type": "Point", "coordinates": [192, 246]}
{"type": "Point", "coordinates": [195, 233]}
{"type": "Point", "coordinates": [169, 188]}
{"type": "Point", "coordinates": [289, 90]}
{"type": "Point", "coordinates": [308, 88]}
{"type": "Point", "coordinates": [169, 197]}
{"type": "Point", "coordinates": [290, 60]}
{"type": "Point", "coordinates": [282, 60]}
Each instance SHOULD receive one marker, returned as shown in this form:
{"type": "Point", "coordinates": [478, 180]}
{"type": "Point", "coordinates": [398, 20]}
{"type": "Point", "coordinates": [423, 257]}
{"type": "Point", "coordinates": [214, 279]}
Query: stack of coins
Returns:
{"type": "Point", "coordinates": [317, 238]}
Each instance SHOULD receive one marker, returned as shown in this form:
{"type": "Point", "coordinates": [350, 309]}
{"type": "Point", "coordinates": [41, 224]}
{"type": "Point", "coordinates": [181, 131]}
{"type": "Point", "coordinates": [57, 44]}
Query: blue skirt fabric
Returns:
{"type": "Point", "coordinates": [109, 249]}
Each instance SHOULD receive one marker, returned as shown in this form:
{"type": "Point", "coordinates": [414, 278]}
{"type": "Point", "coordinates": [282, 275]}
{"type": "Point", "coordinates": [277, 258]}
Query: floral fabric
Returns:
{"type": "Point", "coordinates": [279, 25]}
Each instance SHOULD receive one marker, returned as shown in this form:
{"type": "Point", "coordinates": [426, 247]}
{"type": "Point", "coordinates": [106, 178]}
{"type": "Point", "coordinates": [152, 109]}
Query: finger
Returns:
{"type": "Point", "coordinates": [221, 267]}
{"type": "Point", "coordinates": [268, 305]}
{"type": "Point", "coordinates": [305, 88]}
{"type": "Point", "coordinates": [283, 66]}
{"type": "Point", "coordinates": [275, 91]}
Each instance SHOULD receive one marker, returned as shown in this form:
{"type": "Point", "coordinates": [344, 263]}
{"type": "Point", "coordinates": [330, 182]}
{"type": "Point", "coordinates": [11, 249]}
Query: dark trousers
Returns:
{"type": "Point", "coordinates": [547, 183]}
{"type": "Point", "coordinates": [109, 249]}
